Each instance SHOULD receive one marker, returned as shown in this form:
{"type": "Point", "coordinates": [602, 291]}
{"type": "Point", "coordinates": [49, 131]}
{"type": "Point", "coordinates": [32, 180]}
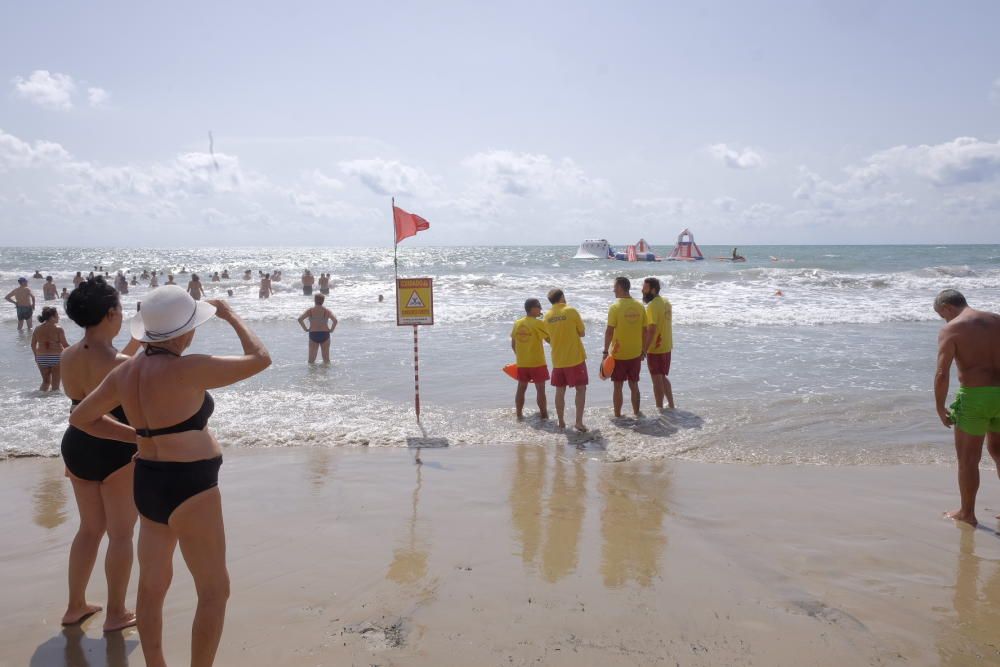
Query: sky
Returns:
{"type": "Point", "coordinates": [806, 121]}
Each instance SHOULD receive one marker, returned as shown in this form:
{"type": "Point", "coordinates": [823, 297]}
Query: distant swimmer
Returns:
{"type": "Point", "coordinates": [195, 288]}
{"type": "Point", "coordinates": [49, 290]}
{"type": "Point", "coordinates": [737, 257]}
{"type": "Point", "coordinates": [627, 332]}
{"type": "Point", "coordinates": [215, 277]}
{"type": "Point", "coordinates": [322, 323]}
{"type": "Point", "coordinates": [24, 303]}
{"type": "Point", "coordinates": [47, 343]}
{"type": "Point", "coordinates": [308, 280]}
{"type": "Point", "coordinates": [77, 279]}
{"type": "Point", "coordinates": [381, 298]}
{"type": "Point", "coordinates": [38, 275]}
{"type": "Point", "coordinates": [225, 274]}
{"type": "Point", "coordinates": [526, 341]}
{"type": "Point", "coordinates": [324, 283]}
{"type": "Point", "coordinates": [248, 274]}
{"type": "Point", "coordinates": [229, 292]}
{"type": "Point", "coordinates": [154, 281]}
{"type": "Point", "coordinates": [64, 296]}
{"type": "Point", "coordinates": [134, 281]}
{"type": "Point", "coordinates": [971, 338]}
{"type": "Point", "coordinates": [184, 270]}
{"type": "Point", "coordinates": [660, 327]}
{"type": "Point", "coordinates": [779, 293]}
{"type": "Point", "coordinates": [569, 360]}
{"type": "Point", "coordinates": [265, 287]}
{"type": "Point", "coordinates": [170, 279]}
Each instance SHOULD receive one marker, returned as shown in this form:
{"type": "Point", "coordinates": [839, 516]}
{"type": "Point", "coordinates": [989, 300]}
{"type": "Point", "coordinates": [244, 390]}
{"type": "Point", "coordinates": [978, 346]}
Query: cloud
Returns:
{"type": "Point", "coordinates": [504, 173]}
{"type": "Point", "coordinates": [727, 204]}
{"type": "Point", "coordinates": [960, 161]}
{"type": "Point", "coordinates": [390, 177]}
{"type": "Point", "coordinates": [16, 153]}
{"type": "Point", "coordinates": [321, 180]}
{"type": "Point", "coordinates": [47, 90]}
{"type": "Point", "coordinates": [665, 205]}
{"type": "Point", "coordinates": [734, 158]}
{"type": "Point", "coordinates": [97, 97]}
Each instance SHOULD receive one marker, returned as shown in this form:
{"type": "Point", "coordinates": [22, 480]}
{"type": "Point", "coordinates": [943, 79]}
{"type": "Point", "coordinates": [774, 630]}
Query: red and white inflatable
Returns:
{"type": "Point", "coordinates": [685, 250]}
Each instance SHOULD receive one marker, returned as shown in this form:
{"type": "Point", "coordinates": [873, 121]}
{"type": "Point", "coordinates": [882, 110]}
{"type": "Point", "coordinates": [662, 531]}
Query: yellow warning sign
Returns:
{"type": "Point", "coordinates": [414, 301]}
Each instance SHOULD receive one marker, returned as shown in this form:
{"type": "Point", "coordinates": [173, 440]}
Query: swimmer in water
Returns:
{"type": "Point", "coordinates": [47, 343]}
{"type": "Point", "coordinates": [322, 323]}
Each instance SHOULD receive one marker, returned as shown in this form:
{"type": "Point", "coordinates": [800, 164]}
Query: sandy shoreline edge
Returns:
{"type": "Point", "coordinates": [523, 554]}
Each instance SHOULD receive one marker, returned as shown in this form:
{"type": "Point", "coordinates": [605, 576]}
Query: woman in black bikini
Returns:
{"type": "Point", "coordinates": [176, 472]}
{"type": "Point", "coordinates": [100, 470]}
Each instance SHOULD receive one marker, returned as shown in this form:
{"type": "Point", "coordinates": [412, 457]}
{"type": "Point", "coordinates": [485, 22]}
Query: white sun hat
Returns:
{"type": "Point", "coordinates": [169, 312]}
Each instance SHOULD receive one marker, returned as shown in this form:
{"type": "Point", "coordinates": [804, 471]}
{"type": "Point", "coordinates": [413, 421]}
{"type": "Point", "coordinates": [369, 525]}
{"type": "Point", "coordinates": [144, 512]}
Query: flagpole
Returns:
{"type": "Point", "coordinates": [395, 243]}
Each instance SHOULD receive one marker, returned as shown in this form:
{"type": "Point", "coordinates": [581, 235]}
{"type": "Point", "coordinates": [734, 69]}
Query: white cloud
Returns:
{"type": "Point", "coordinates": [321, 180]}
{"type": "Point", "coordinates": [735, 158]}
{"type": "Point", "coordinates": [665, 205]}
{"type": "Point", "coordinates": [97, 97]}
{"type": "Point", "coordinates": [47, 90]}
{"type": "Point", "coordinates": [16, 153]}
{"type": "Point", "coordinates": [390, 177]}
{"type": "Point", "coordinates": [506, 173]}
{"type": "Point", "coordinates": [727, 204]}
{"type": "Point", "coordinates": [960, 161]}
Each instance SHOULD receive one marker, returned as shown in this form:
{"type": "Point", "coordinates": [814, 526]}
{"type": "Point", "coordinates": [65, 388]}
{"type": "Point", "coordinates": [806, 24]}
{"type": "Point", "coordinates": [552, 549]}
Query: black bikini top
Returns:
{"type": "Point", "coordinates": [196, 422]}
{"type": "Point", "coordinates": [118, 413]}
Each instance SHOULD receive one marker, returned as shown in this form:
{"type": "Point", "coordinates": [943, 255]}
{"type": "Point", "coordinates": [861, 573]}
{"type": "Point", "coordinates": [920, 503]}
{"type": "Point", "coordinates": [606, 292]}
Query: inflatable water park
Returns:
{"type": "Point", "coordinates": [686, 249]}
{"type": "Point", "coordinates": [601, 249]}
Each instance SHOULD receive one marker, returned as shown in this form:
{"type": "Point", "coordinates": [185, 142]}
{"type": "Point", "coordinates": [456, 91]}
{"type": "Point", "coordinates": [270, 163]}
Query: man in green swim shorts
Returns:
{"type": "Point", "coordinates": [971, 338]}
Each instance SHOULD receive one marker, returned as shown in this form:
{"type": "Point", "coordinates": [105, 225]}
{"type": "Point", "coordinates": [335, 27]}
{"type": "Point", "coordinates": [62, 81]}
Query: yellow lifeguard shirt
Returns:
{"type": "Point", "coordinates": [565, 327]}
{"type": "Point", "coordinates": [628, 317]}
{"type": "Point", "coordinates": [528, 334]}
{"type": "Point", "coordinates": [660, 313]}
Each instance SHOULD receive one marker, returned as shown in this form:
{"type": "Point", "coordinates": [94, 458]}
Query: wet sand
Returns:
{"type": "Point", "coordinates": [527, 555]}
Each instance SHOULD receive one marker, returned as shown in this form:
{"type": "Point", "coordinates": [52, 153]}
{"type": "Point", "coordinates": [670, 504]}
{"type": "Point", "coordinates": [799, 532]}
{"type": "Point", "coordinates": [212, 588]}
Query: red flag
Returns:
{"type": "Point", "coordinates": [407, 224]}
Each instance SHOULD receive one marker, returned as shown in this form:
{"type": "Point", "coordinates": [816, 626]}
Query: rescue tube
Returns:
{"type": "Point", "coordinates": [511, 370]}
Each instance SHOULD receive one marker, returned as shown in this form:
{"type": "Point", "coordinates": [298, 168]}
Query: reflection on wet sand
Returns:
{"type": "Point", "coordinates": [632, 523]}
{"type": "Point", "coordinates": [318, 469]}
{"type": "Point", "coordinates": [73, 648]}
{"type": "Point", "coordinates": [50, 498]}
{"type": "Point", "coordinates": [564, 519]}
{"type": "Point", "coordinates": [526, 499]}
{"type": "Point", "coordinates": [409, 561]}
{"type": "Point", "coordinates": [974, 638]}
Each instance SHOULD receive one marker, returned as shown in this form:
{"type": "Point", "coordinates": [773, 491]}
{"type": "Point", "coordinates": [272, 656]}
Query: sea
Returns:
{"type": "Point", "coordinates": [837, 370]}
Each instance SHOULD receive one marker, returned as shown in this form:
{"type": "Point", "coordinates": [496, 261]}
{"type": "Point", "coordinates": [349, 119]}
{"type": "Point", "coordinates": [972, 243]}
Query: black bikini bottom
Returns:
{"type": "Point", "coordinates": [93, 459]}
{"type": "Point", "coordinates": [162, 486]}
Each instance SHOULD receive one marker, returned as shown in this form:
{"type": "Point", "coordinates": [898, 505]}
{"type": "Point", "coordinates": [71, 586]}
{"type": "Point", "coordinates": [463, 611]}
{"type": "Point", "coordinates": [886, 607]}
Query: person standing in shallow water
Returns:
{"type": "Point", "coordinates": [322, 323]}
{"type": "Point", "coordinates": [195, 288]}
{"type": "Point", "coordinates": [47, 343]}
{"type": "Point", "coordinates": [569, 360]}
{"type": "Point", "coordinates": [24, 303]}
{"type": "Point", "coordinates": [626, 338]}
{"type": "Point", "coordinates": [659, 316]}
{"type": "Point", "coordinates": [971, 339]}
{"type": "Point", "coordinates": [526, 340]}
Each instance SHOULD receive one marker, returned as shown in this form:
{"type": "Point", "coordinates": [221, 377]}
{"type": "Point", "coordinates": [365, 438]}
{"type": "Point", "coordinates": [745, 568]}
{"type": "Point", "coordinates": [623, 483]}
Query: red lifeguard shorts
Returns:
{"type": "Point", "coordinates": [571, 376]}
{"type": "Point", "coordinates": [626, 369]}
{"type": "Point", "coordinates": [537, 374]}
{"type": "Point", "coordinates": [658, 364]}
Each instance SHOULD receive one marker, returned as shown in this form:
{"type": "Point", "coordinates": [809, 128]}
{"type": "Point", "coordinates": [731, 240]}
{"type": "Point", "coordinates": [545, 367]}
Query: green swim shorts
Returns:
{"type": "Point", "coordinates": [976, 410]}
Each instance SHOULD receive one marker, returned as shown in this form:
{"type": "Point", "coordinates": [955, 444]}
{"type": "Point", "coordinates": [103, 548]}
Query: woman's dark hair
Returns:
{"type": "Point", "coordinates": [47, 313]}
{"type": "Point", "coordinates": [91, 301]}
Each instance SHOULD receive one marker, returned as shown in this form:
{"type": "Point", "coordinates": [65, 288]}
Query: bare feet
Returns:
{"type": "Point", "coordinates": [581, 428]}
{"type": "Point", "coordinates": [126, 620]}
{"type": "Point", "coordinates": [562, 425]}
{"type": "Point", "coordinates": [543, 415]}
{"type": "Point", "coordinates": [958, 515]}
{"type": "Point", "coordinates": [520, 417]}
{"type": "Point", "coordinates": [78, 615]}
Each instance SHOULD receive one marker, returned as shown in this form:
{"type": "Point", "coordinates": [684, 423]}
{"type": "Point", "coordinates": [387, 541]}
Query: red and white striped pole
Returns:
{"type": "Point", "coordinates": [416, 373]}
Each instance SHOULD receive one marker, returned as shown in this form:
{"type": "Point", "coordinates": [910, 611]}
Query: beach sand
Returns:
{"type": "Point", "coordinates": [529, 555]}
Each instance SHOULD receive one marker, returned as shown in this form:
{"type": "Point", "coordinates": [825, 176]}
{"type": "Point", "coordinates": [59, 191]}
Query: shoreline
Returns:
{"type": "Point", "coordinates": [530, 554]}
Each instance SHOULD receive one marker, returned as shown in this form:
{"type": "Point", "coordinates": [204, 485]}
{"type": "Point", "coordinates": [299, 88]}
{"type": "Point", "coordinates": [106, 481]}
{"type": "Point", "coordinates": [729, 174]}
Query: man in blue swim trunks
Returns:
{"type": "Point", "coordinates": [24, 301]}
{"type": "Point", "coordinates": [971, 338]}
{"type": "Point", "coordinates": [322, 322]}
